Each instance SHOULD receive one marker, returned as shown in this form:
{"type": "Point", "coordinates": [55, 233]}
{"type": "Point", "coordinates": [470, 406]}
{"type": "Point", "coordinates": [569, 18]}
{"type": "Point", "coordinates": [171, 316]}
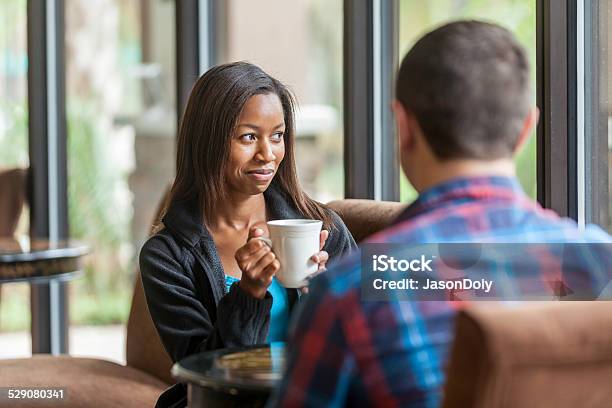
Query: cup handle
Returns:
{"type": "Point", "coordinates": [266, 241]}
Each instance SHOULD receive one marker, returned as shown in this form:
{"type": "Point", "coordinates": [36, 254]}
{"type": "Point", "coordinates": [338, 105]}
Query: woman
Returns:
{"type": "Point", "coordinates": [208, 283]}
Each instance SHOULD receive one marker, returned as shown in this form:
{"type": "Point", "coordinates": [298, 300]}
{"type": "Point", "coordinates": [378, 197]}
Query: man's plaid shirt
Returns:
{"type": "Point", "coordinates": [343, 351]}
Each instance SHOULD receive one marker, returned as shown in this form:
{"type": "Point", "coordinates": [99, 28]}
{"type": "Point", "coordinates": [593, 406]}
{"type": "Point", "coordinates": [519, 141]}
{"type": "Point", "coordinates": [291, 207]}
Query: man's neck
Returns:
{"type": "Point", "coordinates": [448, 170]}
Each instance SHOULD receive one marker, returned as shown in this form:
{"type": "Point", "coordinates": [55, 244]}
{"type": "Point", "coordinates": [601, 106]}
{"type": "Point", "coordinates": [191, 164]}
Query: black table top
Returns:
{"type": "Point", "coordinates": [256, 368]}
{"type": "Point", "coordinates": [40, 261]}
{"type": "Point", "coordinates": [12, 251]}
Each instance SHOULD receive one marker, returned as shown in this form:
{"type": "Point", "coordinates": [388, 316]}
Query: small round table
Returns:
{"type": "Point", "coordinates": [242, 377]}
{"type": "Point", "coordinates": [43, 263]}
{"type": "Point", "coordinates": [39, 261]}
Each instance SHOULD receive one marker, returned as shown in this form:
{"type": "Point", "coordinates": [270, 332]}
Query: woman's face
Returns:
{"type": "Point", "coordinates": [257, 147]}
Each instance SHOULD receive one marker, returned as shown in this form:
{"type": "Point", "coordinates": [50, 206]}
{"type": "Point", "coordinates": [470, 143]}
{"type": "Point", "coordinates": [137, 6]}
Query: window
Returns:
{"type": "Point", "coordinates": [14, 303]}
{"type": "Point", "coordinates": [594, 69]}
{"type": "Point", "coordinates": [120, 97]}
{"type": "Point", "coordinates": [300, 43]}
{"type": "Point", "coordinates": [13, 84]}
{"type": "Point", "coordinates": [519, 16]}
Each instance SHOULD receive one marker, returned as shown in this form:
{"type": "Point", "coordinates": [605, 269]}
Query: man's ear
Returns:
{"type": "Point", "coordinates": [404, 130]}
{"type": "Point", "coordinates": [530, 122]}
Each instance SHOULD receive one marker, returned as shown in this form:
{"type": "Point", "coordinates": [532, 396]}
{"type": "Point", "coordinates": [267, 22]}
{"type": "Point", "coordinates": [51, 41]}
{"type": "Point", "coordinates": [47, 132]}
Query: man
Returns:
{"type": "Point", "coordinates": [463, 111]}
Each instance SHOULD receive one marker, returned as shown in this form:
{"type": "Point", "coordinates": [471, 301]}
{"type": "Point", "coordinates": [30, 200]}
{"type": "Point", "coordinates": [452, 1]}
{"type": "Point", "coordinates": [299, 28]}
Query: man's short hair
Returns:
{"type": "Point", "coordinates": [467, 84]}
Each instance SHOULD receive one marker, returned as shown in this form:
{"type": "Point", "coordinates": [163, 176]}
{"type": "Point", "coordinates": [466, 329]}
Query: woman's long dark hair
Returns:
{"type": "Point", "coordinates": [209, 121]}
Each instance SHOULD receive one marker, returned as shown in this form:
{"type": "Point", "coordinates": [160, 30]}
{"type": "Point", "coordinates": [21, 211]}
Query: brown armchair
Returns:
{"type": "Point", "coordinates": [545, 355]}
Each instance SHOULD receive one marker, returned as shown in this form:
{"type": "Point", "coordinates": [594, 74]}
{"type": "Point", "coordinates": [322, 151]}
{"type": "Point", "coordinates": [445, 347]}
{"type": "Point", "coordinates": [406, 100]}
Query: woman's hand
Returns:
{"type": "Point", "coordinates": [320, 257]}
{"type": "Point", "coordinates": [257, 263]}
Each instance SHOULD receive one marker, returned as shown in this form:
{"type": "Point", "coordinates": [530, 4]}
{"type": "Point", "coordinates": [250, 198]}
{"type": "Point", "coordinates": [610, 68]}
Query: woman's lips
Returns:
{"type": "Point", "coordinates": [261, 175]}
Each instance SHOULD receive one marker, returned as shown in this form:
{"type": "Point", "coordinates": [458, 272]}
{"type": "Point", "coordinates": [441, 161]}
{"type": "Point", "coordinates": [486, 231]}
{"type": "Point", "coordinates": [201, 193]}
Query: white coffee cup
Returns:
{"type": "Point", "coordinates": [294, 242]}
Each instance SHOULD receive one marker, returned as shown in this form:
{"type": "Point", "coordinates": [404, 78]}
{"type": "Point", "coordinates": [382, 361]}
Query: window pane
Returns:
{"type": "Point", "coordinates": [121, 131]}
{"type": "Point", "coordinates": [519, 16]}
{"type": "Point", "coordinates": [13, 84]}
{"type": "Point", "coordinates": [300, 43]}
{"type": "Point", "coordinates": [14, 305]}
{"type": "Point", "coordinates": [605, 214]}
{"type": "Point", "coordinates": [598, 120]}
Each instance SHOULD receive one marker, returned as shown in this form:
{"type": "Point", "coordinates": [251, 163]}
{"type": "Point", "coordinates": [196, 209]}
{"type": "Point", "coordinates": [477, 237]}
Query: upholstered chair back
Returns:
{"type": "Point", "coordinates": [544, 354]}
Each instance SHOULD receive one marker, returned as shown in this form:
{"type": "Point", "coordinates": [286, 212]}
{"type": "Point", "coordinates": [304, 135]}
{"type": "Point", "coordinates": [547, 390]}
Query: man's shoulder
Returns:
{"type": "Point", "coordinates": [344, 275]}
{"type": "Point", "coordinates": [492, 224]}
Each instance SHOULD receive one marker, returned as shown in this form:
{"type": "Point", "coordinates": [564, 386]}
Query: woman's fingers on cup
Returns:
{"type": "Point", "coordinates": [321, 269]}
{"type": "Point", "coordinates": [320, 257]}
{"type": "Point", "coordinates": [322, 238]}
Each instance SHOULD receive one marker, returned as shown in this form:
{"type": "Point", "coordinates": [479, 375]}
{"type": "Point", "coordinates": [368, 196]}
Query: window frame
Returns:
{"type": "Point", "coordinates": [371, 154]}
{"type": "Point", "coordinates": [198, 43]}
{"type": "Point", "coordinates": [594, 155]}
{"type": "Point", "coordinates": [47, 175]}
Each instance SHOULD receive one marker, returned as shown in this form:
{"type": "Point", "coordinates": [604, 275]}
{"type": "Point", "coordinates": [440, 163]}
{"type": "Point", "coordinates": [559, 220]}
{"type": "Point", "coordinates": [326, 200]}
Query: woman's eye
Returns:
{"type": "Point", "coordinates": [249, 137]}
{"type": "Point", "coordinates": [277, 136]}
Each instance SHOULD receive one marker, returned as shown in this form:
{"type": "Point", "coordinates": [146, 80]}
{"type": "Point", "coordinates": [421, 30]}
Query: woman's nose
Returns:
{"type": "Point", "coordinates": [264, 152]}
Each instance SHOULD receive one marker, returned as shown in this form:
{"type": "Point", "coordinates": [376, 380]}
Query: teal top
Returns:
{"type": "Point", "coordinates": [279, 315]}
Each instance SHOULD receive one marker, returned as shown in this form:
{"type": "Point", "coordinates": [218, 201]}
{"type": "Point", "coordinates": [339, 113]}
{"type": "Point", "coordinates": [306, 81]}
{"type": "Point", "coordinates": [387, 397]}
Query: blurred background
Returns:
{"type": "Point", "coordinates": [122, 115]}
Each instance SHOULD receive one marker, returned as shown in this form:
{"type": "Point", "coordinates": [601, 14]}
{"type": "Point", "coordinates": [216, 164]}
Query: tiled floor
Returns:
{"type": "Point", "coordinates": [107, 342]}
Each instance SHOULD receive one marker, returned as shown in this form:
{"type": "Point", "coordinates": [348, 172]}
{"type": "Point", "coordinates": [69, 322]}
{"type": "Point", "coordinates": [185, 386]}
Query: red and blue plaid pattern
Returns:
{"type": "Point", "coordinates": [346, 352]}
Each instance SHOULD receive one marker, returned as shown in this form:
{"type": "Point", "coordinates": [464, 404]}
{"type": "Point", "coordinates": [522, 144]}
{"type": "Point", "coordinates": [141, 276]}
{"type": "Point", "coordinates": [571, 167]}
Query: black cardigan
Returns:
{"type": "Point", "coordinates": [185, 287]}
